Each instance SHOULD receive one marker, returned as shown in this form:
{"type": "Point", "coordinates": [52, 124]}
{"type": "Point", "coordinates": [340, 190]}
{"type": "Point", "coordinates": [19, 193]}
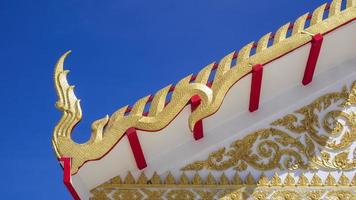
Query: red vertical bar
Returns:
{"type": "Point", "coordinates": [67, 177]}
{"type": "Point", "coordinates": [257, 72]}
{"type": "Point", "coordinates": [198, 126]}
{"type": "Point", "coordinates": [316, 43]}
{"type": "Point", "coordinates": [136, 148]}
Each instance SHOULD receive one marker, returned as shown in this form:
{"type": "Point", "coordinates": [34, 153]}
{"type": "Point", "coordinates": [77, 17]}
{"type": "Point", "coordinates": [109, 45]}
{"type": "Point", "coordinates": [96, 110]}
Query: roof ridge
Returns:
{"type": "Point", "coordinates": [106, 132]}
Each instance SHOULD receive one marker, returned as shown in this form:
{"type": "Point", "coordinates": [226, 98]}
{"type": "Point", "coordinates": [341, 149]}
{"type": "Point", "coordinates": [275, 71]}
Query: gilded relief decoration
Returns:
{"type": "Point", "coordinates": [317, 136]}
{"type": "Point", "coordinates": [106, 132]}
{"type": "Point", "coordinates": [278, 187]}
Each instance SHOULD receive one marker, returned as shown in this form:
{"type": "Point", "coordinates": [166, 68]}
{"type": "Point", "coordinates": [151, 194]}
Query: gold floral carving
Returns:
{"type": "Point", "coordinates": [286, 195]}
{"type": "Point", "coordinates": [314, 195]}
{"type": "Point", "coordinates": [180, 194]}
{"type": "Point", "coordinates": [341, 195]}
{"type": "Point", "coordinates": [127, 195]}
{"type": "Point", "coordinates": [290, 187]}
{"type": "Point", "coordinates": [153, 194]}
{"type": "Point", "coordinates": [207, 195]}
{"type": "Point", "coordinates": [293, 141]}
{"type": "Point", "coordinates": [106, 132]}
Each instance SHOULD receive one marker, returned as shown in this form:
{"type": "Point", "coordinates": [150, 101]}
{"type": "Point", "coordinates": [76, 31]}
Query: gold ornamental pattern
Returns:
{"type": "Point", "coordinates": [317, 136]}
{"type": "Point", "coordinates": [106, 132]}
{"type": "Point", "coordinates": [278, 186]}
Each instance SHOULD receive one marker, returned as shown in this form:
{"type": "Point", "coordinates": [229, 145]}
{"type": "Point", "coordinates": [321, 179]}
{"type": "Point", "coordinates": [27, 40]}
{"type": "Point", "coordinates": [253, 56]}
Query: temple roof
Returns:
{"type": "Point", "coordinates": [203, 93]}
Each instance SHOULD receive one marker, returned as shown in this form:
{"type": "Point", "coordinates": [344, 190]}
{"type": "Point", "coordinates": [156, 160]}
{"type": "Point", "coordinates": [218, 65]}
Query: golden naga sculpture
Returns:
{"type": "Point", "coordinates": [106, 132]}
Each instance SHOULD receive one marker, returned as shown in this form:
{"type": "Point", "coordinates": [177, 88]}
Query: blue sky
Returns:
{"type": "Point", "coordinates": [122, 50]}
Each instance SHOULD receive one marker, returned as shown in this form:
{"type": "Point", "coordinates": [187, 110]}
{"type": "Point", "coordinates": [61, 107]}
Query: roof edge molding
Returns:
{"type": "Point", "coordinates": [106, 132]}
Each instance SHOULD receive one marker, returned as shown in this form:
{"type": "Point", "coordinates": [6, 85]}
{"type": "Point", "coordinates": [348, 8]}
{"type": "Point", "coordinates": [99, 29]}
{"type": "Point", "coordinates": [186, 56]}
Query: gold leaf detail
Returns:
{"type": "Point", "coordinates": [129, 179]}
{"type": "Point", "coordinates": [236, 180]}
{"type": "Point", "coordinates": [156, 179]}
{"type": "Point", "coordinates": [315, 195]}
{"type": "Point", "coordinates": [287, 195]}
{"type": "Point", "coordinates": [281, 33]}
{"type": "Point", "coordinates": [224, 180]}
{"type": "Point", "coordinates": [198, 165]}
{"type": "Point", "coordinates": [153, 194]}
{"type": "Point", "coordinates": [263, 43]}
{"type": "Point", "coordinates": [330, 180]}
{"type": "Point", "coordinates": [276, 180]}
{"type": "Point", "coordinates": [203, 75]}
{"type": "Point", "coordinates": [127, 195]}
{"type": "Point", "coordinates": [210, 180]}
{"type": "Point", "coordinates": [116, 180]}
{"type": "Point", "coordinates": [343, 180]}
{"type": "Point", "coordinates": [289, 180]}
{"type": "Point", "coordinates": [303, 180]}
{"type": "Point", "coordinates": [341, 195]}
{"type": "Point", "coordinates": [335, 7]}
{"type": "Point", "coordinates": [249, 179]}
{"type": "Point", "coordinates": [196, 179]}
{"type": "Point", "coordinates": [316, 180]}
{"type": "Point", "coordinates": [263, 181]}
{"type": "Point", "coordinates": [99, 195]}
{"type": "Point", "coordinates": [180, 195]}
{"type": "Point", "coordinates": [259, 195]}
{"type": "Point", "coordinates": [142, 179]}
{"type": "Point", "coordinates": [206, 195]}
{"type": "Point", "coordinates": [350, 3]}
{"type": "Point", "coordinates": [170, 179]}
{"type": "Point", "coordinates": [299, 24]}
{"type": "Point", "coordinates": [353, 181]}
{"type": "Point", "coordinates": [184, 179]}
{"type": "Point", "coordinates": [317, 15]}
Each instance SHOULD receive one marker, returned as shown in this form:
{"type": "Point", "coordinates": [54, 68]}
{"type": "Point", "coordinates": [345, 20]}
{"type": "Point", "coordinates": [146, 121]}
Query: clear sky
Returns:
{"type": "Point", "coordinates": [122, 50]}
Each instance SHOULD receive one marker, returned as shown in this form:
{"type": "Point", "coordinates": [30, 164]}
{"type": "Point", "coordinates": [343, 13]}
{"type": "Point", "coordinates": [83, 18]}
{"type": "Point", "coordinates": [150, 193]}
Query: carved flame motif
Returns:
{"type": "Point", "coordinates": [106, 132]}
{"type": "Point", "coordinates": [291, 186]}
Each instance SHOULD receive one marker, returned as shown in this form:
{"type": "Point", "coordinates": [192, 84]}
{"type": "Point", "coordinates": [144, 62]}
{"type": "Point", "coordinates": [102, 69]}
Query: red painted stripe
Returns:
{"type": "Point", "coordinates": [257, 71]}
{"type": "Point", "coordinates": [198, 131]}
{"type": "Point", "coordinates": [67, 177]}
{"type": "Point", "coordinates": [316, 43]}
{"type": "Point", "coordinates": [136, 148]}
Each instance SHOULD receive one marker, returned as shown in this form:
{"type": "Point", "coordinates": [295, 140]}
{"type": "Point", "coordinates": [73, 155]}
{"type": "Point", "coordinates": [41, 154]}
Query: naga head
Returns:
{"type": "Point", "coordinates": [69, 105]}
